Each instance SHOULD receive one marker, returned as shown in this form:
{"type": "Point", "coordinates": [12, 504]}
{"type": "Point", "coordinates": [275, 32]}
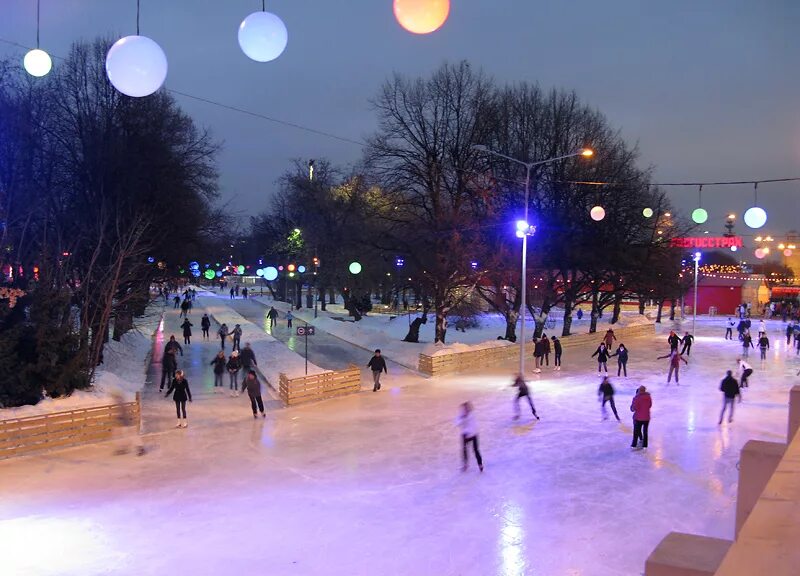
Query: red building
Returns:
{"type": "Point", "coordinates": [726, 291]}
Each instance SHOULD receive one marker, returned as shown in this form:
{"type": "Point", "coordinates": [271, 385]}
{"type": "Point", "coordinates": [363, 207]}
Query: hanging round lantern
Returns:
{"type": "Point", "coordinates": [240, 269]}
{"type": "Point", "coordinates": [699, 215]}
{"type": "Point", "coordinates": [760, 253]}
{"type": "Point", "coordinates": [597, 213]}
{"type": "Point", "coordinates": [262, 36]}
{"type": "Point", "coordinates": [209, 274]}
{"type": "Point", "coordinates": [37, 63]}
{"type": "Point", "coordinates": [270, 273]}
{"type": "Point", "coordinates": [647, 212]}
{"type": "Point", "coordinates": [260, 272]}
{"type": "Point", "coordinates": [421, 16]}
{"type": "Point", "coordinates": [355, 268]}
{"type": "Point", "coordinates": [755, 217]}
{"type": "Point", "coordinates": [218, 274]}
{"type": "Point", "coordinates": [788, 252]}
{"type": "Point", "coordinates": [136, 66]}
{"type": "Point", "coordinates": [301, 269]}
{"type": "Point", "coordinates": [734, 248]}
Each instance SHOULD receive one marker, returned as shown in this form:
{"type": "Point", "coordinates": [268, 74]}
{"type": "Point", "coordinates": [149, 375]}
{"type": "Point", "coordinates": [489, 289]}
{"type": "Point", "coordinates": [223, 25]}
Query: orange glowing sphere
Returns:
{"type": "Point", "coordinates": [421, 16]}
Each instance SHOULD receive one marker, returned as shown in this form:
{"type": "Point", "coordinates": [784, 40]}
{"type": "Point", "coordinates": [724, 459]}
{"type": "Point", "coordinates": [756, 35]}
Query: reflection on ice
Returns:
{"type": "Point", "coordinates": [512, 557]}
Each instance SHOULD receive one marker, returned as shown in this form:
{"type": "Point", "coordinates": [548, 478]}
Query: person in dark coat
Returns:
{"type": "Point", "coordinates": [223, 334]}
{"type": "Point", "coordinates": [237, 337]}
{"type": "Point", "coordinates": [606, 390]}
{"type": "Point", "coordinates": [177, 301]}
{"type": "Point", "coordinates": [538, 353]}
{"type": "Point", "coordinates": [730, 390]}
{"type": "Point", "coordinates": [546, 350]}
{"type": "Point", "coordinates": [556, 353]}
{"type": "Point", "coordinates": [673, 340]}
{"type": "Point", "coordinates": [253, 387]}
{"type": "Point", "coordinates": [169, 361]}
{"type": "Point", "coordinates": [179, 388]}
{"type": "Point", "coordinates": [609, 338]}
{"type": "Point", "coordinates": [187, 331]}
{"type": "Point", "coordinates": [184, 309]}
{"type": "Point", "coordinates": [205, 324]}
{"type": "Point", "coordinates": [219, 369]}
{"type": "Point", "coordinates": [747, 343]}
{"type": "Point", "coordinates": [273, 317]}
{"type": "Point", "coordinates": [763, 345]}
{"type": "Point", "coordinates": [248, 358]}
{"type": "Point", "coordinates": [233, 366]}
{"type": "Point", "coordinates": [602, 357]}
{"type": "Point", "coordinates": [622, 359]}
{"type": "Point", "coordinates": [377, 364]}
{"type": "Point", "coordinates": [687, 340]}
{"type": "Point", "coordinates": [522, 392]}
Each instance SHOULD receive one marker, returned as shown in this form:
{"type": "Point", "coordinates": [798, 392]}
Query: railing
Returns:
{"type": "Point", "coordinates": [19, 436]}
{"type": "Point", "coordinates": [319, 386]}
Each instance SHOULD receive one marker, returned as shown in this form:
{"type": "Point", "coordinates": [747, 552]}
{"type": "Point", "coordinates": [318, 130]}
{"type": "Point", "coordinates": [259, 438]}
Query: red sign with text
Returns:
{"type": "Point", "coordinates": [707, 242]}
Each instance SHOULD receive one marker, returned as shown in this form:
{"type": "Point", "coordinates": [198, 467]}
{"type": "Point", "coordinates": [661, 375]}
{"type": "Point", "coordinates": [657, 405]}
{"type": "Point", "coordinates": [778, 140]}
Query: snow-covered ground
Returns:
{"type": "Point", "coordinates": [371, 483]}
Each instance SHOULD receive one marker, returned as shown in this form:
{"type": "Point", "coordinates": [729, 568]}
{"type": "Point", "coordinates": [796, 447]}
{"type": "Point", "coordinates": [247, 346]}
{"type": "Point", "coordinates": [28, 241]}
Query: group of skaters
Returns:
{"type": "Point", "coordinates": [541, 352]}
{"type": "Point", "coordinates": [603, 354]}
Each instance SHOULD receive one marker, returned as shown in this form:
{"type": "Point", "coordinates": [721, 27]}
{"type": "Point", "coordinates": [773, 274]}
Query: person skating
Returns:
{"type": "Point", "coordinates": [747, 343]}
{"type": "Point", "coordinates": [205, 325]}
{"type": "Point", "coordinates": [187, 331]}
{"type": "Point", "coordinates": [253, 386]}
{"type": "Point", "coordinates": [179, 388]}
{"type": "Point", "coordinates": [244, 292]}
{"type": "Point", "coordinates": [233, 291]}
{"type": "Point", "coordinates": [248, 358]}
{"type": "Point", "coordinates": [673, 340]}
{"type": "Point", "coordinates": [687, 340]}
{"type": "Point", "coordinates": [762, 328]}
{"type": "Point", "coordinates": [223, 334]}
{"type": "Point", "coordinates": [730, 390]}
{"type": "Point", "coordinates": [169, 361]}
{"type": "Point", "coordinates": [606, 390]}
{"type": "Point", "coordinates": [546, 350]}
{"type": "Point", "coordinates": [273, 317]}
{"type": "Point", "coordinates": [622, 359]}
{"type": "Point", "coordinates": [602, 357]}
{"type": "Point", "coordinates": [184, 309]}
{"type": "Point", "coordinates": [522, 392]}
{"type": "Point", "coordinates": [538, 352]}
{"type": "Point", "coordinates": [729, 330]}
{"type": "Point", "coordinates": [640, 406]}
{"type": "Point", "coordinates": [789, 333]}
{"type": "Point", "coordinates": [233, 366]}
{"type": "Point", "coordinates": [556, 353]}
{"type": "Point", "coordinates": [237, 337]}
{"type": "Point", "coordinates": [377, 364]}
{"type": "Point", "coordinates": [763, 345]}
{"type": "Point", "coordinates": [469, 434]}
{"type": "Point", "coordinates": [219, 369]}
{"type": "Point", "coordinates": [289, 318]}
{"type": "Point", "coordinates": [609, 338]}
{"type": "Point", "coordinates": [674, 365]}
{"type": "Point", "coordinates": [745, 371]}
{"type": "Point", "coordinates": [177, 301]}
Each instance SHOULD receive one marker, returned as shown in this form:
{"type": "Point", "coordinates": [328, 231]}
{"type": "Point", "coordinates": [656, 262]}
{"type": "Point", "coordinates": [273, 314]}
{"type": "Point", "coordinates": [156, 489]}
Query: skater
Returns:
{"type": "Point", "coordinates": [687, 340]}
{"type": "Point", "coordinates": [205, 325]}
{"type": "Point", "coordinates": [763, 345]}
{"type": "Point", "coordinates": [609, 338]}
{"type": "Point", "coordinates": [181, 393]}
{"type": "Point", "coordinates": [602, 357]}
{"type": "Point", "coordinates": [184, 309]}
{"type": "Point", "coordinates": [169, 361]}
{"type": "Point", "coordinates": [762, 328]}
{"type": "Point", "coordinates": [747, 343]}
{"type": "Point", "coordinates": [606, 390]}
{"type": "Point", "coordinates": [557, 354]}
{"type": "Point", "coordinates": [745, 371]}
{"type": "Point", "coordinates": [674, 365]}
{"type": "Point", "coordinates": [234, 365]}
{"type": "Point", "coordinates": [522, 392]}
{"type": "Point", "coordinates": [237, 337]}
{"type": "Point", "coordinates": [729, 329]}
{"type": "Point", "coordinates": [546, 350]}
{"type": "Point", "coordinates": [244, 292]}
{"type": "Point", "coordinates": [580, 314]}
{"type": "Point", "coordinates": [377, 364]}
{"type": "Point", "coordinates": [187, 331]}
{"type": "Point", "coordinates": [223, 334]}
{"type": "Point", "coordinates": [273, 318]}
{"type": "Point", "coordinates": [640, 407]}
{"type": "Point", "coordinates": [622, 359]}
{"type": "Point", "coordinates": [219, 369]}
{"type": "Point", "coordinates": [469, 433]}
{"type": "Point", "coordinates": [538, 352]}
{"type": "Point", "coordinates": [232, 293]}
{"type": "Point", "coordinates": [730, 390]}
{"type": "Point", "coordinates": [177, 301]}
{"type": "Point", "coordinates": [289, 318]}
{"type": "Point", "coordinates": [253, 386]}
{"type": "Point", "coordinates": [741, 327]}
{"type": "Point", "coordinates": [248, 358]}
{"type": "Point", "coordinates": [789, 333]}
{"type": "Point", "coordinates": [673, 340]}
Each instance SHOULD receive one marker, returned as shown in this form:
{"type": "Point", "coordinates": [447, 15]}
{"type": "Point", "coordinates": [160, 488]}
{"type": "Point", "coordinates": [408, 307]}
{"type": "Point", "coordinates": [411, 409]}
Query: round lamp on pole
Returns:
{"type": "Point", "coordinates": [136, 66]}
{"type": "Point", "coordinates": [699, 215]}
{"type": "Point", "coordinates": [37, 63]}
{"type": "Point", "coordinates": [421, 16]}
{"type": "Point", "coordinates": [755, 217]}
{"type": "Point", "coordinates": [263, 36]}
{"type": "Point", "coordinates": [354, 268]}
{"type": "Point", "coordinates": [760, 253]}
{"type": "Point", "coordinates": [270, 273]}
{"type": "Point", "coordinates": [209, 274]}
{"type": "Point", "coordinates": [597, 213]}
{"type": "Point", "coordinates": [647, 212]}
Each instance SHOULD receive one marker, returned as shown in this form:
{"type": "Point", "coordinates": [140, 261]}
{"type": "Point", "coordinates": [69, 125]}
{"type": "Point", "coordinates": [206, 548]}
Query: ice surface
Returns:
{"type": "Point", "coordinates": [371, 483]}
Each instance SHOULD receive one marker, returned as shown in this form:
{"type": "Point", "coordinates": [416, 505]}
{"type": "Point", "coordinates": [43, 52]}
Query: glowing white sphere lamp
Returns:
{"type": "Point", "coordinates": [699, 215]}
{"type": "Point", "coordinates": [354, 268]}
{"type": "Point", "coordinates": [760, 253]}
{"type": "Point", "coordinates": [755, 217]}
{"type": "Point", "coordinates": [734, 248]}
{"type": "Point", "coordinates": [421, 16]}
{"type": "Point", "coordinates": [37, 63]}
{"type": "Point", "coordinates": [597, 213]}
{"type": "Point", "coordinates": [263, 36]}
{"type": "Point", "coordinates": [647, 212]}
{"type": "Point", "coordinates": [136, 66]}
{"type": "Point", "coordinates": [270, 273]}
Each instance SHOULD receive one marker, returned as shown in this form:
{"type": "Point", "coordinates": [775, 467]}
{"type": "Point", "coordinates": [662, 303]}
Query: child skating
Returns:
{"type": "Point", "coordinates": [469, 434]}
{"type": "Point", "coordinates": [522, 392]}
{"type": "Point", "coordinates": [674, 365]}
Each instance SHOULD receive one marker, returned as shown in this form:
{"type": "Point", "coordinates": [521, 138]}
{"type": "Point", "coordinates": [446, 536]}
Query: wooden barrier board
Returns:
{"type": "Point", "coordinates": [319, 386]}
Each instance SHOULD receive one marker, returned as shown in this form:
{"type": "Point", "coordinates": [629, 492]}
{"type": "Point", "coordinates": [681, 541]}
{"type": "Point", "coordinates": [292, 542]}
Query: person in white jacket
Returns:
{"type": "Point", "coordinates": [469, 433]}
{"type": "Point", "coordinates": [745, 370]}
{"type": "Point", "coordinates": [762, 328]}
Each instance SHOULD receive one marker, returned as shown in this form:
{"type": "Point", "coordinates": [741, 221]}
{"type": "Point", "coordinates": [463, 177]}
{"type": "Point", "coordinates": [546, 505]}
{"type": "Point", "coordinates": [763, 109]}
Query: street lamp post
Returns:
{"type": "Point", "coordinates": [696, 259]}
{"type": "Point", "coordinates": [524, 229]}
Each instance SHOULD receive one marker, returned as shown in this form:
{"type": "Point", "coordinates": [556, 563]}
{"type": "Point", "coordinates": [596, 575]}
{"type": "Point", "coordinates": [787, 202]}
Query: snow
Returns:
{"type": "Point", "coordinates": [371, 483]}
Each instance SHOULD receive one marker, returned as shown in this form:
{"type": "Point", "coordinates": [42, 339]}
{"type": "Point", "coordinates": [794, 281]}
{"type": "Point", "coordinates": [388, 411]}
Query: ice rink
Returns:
{"type": "Point", "coordinates": [371, 483]}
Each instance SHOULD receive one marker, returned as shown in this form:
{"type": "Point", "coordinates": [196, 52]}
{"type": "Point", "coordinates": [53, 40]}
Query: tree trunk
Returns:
{"type": "Point", "coordinates": [617, 307]}
{"type": "Point", "coordinates": [567, 318]}
{"type": "Point", "coordinates": [123, 322]}
{"type": "Point", "coordinates": [672, 310]}
{"type": "Point", "coordinates": [321, 298]}
{"type": "Point", "coordinates": [540, 320]}
{"type": "Point", "coordinates": [441, 325]}
{"type": "Point", "coordinates": [413, 329]}
{"type": "Point", "coordinates": [660, 308]}
{"type": "Point", "coordinates": [595, 312]}
{"type": "Point", "coordinates": [511, 326]}
{"type": "Point", "coordinates": [331, 296]}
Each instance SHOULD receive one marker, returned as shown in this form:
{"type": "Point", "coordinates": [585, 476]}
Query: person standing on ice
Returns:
{"type": "Point", "coordinates": [762, 328]}
{"type": "Point", "coordinates": [184, 309]}
{"type": "Point", "coordinates": [546, 350]}
{"type": "Point", "coordinates": [789, 333]}
{"type": "Point", "coordinates": [237, 337]}
{"type": "Point", "coordinates": [641, 405]}
{"type": "Point", "coordinates": [673, 340]}
{"type": "Point", "coordinates": [254, 392]}
{"type": "Point", "coordinates": [522, 392]}
{"type": "Point", "coordinates": [273, 318]}
{"type": "Point", "coordinates": [179, 388]}
{"type": "Point", "coordinates": [234, 365]}
{"type": "Point", "coordinates": [289, 318]}
{"type": "Point", "coordinates": [177, 301]}
{"type": "Point", "coordinates": [205, 324]}
{"type": "Point", "coordinates": [538, 352]}
{"type": "Point", "coordinates": [469, 434]}
{"type": "Point", "coordinates": [169, 361]}
{"type": "Point", "coordinates": [219, 369]}
{"type": "Point", "coordinates": [609, 338]}
{"type": "Point", "coordinates": [745, 371]}
{"type": "Point", "coordinates": [606, 390]}
{"type": "Point", "coordinates": [622, 360]}
{"type": "Point", "coordinates": [729, 330]}
{"type": "Point", "coordinates": [557, 354]}
{"type": "Point", "coordinates": [377, 364]}
{"type": "Point", "coordinates": [223, 334]}
{"type": "Point", "coordinates": [747, 343]}
{"type": "Point", "coordinates": [232, 293]}
{"type": "Point", "coordinates": [674, 365]}
{"type": "Point", "coordinates": [763, 345]}
{"type": "Point", "coordinates": [602, 357]}
{"type": "Point", "coordinates": [730, 390]}
{"type": "Point", "coordinates": [187, 331]}
{"type": "Point", "coordinates": [687, 340]}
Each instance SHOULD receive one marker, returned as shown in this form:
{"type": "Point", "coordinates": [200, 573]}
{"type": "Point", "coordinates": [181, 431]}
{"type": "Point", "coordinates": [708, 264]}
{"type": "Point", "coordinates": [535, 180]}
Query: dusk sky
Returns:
{"type": "Point", "coordinates": [710, 90]}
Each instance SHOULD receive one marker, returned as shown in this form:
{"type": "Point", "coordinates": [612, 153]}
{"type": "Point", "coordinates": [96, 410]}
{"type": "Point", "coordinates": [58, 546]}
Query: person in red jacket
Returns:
{"type": "Point", "coordinates": [640, 407]}
{"type": "Point", "coordinates": [674, 364]}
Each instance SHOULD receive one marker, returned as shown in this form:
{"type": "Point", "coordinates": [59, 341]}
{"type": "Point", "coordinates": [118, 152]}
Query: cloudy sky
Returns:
{"type": "Point", "coordinates": [709, 90]}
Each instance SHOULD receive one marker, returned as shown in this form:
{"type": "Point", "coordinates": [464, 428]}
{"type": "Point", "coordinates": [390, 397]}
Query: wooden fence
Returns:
{"type": "Point", "coordinates": [319, 386]}
{"type": "Point", "coordinates": [19, 436]}
{"type": "Point", "coordinates": [478, 359]}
